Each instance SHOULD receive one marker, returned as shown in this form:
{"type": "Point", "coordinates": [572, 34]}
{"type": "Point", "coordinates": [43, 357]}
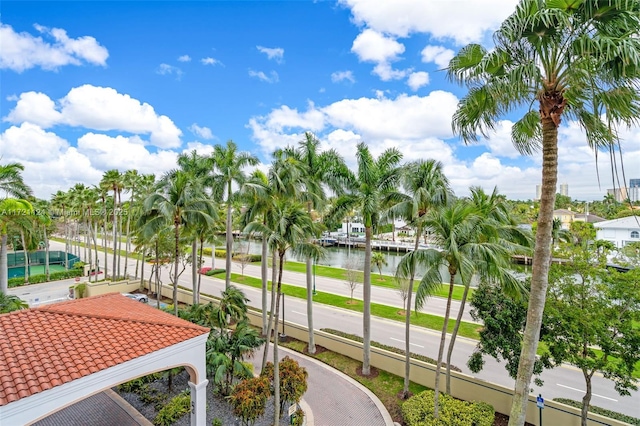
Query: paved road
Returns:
{"type": "Point", "coordinates": [566, 382]}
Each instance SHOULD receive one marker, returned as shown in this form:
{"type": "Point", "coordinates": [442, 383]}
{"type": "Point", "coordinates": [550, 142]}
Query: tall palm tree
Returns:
{"type": "Point", "coordinates": [553, 59]}
{"type": "Point", "coordinates": [179, 202]}
{"type": "Point", "coordinates": [425, 188]}
{"type": "Point", "coordinates": [365, 193]}
{"type": "Point", "coordinates": [229, 164]}
{"type": "Point", "coordinates": [19, 212]}
{"type": "Point", "coordinates": [12, 184]}
{"type": "Point", "coordinates": [131, 181]}
{"type": "Point", "coordinates": [61, 201]}
{"type": "Point", "coordinates": [112, 180]}
{"type": "Point", "coordinates": [317, 170]}
{"type": "Point", "coordinates": [289, 232]}
{"type": "Point", "coordinates": [497, 237]}
{"type": "Point", "coordinates": [199, 166]}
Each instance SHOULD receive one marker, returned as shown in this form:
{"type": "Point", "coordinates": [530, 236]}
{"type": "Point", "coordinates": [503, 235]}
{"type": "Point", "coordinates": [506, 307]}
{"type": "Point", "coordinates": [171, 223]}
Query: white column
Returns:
{"type": "Point", "coordinates": [198, 403]}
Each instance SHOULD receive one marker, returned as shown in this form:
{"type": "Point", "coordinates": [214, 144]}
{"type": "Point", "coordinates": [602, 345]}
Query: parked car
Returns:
{"type": "Point", "coordinates": [139, 297]}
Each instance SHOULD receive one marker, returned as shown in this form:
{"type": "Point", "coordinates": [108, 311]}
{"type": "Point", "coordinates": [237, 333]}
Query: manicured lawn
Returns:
{"type": "Point", "coordinates": [389, 312]}
{"type": "Point", "coordinates": [381, 281]}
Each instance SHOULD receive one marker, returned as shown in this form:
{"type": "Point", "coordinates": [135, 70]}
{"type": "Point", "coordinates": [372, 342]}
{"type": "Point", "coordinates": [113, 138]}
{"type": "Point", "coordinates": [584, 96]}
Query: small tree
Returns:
{"type": "Point", "coordinates": [379, 260]}
{"type": "Point", "coordinates": [402, 285]}
{"type": "Point", "coordinates": [244, 257]}
{"type": "Point", "coordinates": [249, 399]}
{"type": "Point", "coordinates": [352, 274]}
{"type": "Point", "coordinates": [590, 307]}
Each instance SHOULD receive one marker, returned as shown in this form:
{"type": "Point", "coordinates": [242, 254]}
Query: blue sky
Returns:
{"type": "Point", "coordinates": [91, 86]}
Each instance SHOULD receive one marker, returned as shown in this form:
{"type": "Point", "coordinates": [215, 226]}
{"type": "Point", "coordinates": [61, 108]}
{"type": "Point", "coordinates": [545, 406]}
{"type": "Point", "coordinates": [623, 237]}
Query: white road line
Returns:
{"type": "Point", "coordinates": [402, 341]}
{"type": "Point", "coordinates": [299, 313]}
{"type": "Point", "coordinates": [594, 394]}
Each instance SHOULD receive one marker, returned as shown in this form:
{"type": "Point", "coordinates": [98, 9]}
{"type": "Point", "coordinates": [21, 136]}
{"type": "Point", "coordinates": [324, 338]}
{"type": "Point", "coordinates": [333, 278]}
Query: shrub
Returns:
{"type": "Point", "coordinates": [176, 408]}
{"type": "Point", "coordinates": [597, 410]}
{"type": "Point", "coordinates": [80, 291]}
{"type": "Point", "coordinates": [216, 422]}
{"type": "Point", "coordinates": [298, 418]}
{"type": "Point", "coordinates": [418, 411]}
{"type": "Point", "coordinates": [79, 265]}
{"type": "Point", "coordinates": [204, 270]}
{"type": "Point", "coordinates": [293, 380]}
{"type": "Point", "coordinates": [219, 253]}
{"type": "Point", "coordinates": [249, 258]}
{"type": "Point", "coordinates": [215, 272]}
{"type": "Point", "coordinates": [249, 399]}
{"type": "Point", "coordinates": [387, 348]}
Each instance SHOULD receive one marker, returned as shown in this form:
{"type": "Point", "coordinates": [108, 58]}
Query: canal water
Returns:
{"type": "Point", "coordinates": [338, 257]}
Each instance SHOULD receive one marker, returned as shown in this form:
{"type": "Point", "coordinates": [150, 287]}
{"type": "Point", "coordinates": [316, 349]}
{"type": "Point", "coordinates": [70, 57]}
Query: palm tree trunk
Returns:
{"type": "Point", "coordinates": [26, 257]}
{"type": "Point", "coordinates": [443, 336]}
{"type": "Point", "coordinates": [4, 267]}
{"type": "Point", "coordinates": [95, 249]}
{"type": "Point", "coordinates": [157, 271]}
{"type": "Point", "coordinates": [454, 333]}
{"type": "Point", "coordinates": [175, 271]}
{"type": "Point", "coordinates": [366, 311]}
{"type": "Point", "coordinates": [200, 262]}
{"type": "Point", "coordinates": [144, 252]}
{"type": "Point", "coordinates": [119, 235]}
{"type": "Point", "coordinates": [276, 367]}
{"type": "Point", "coordinates": [264, 270]}
{"type": "Point", "coordinates": [312, 344]}
{"type": "Point", "coordinates": [106, 252]}
{"type": "Point", "coordinates": [194, 271]}
{"type": "Point", "coordinates": [227, 278]}
{"type": "Point", "coordinates": [115, 241]}
{"type": "Point", "coordinates": [539, 272]}
{"type": "Point", "coordinates": [127, 247]}
{"type": "Point", "coordinates": [66, 240]}
{"type": "Point", "coordinates": [274, 281]}
{"type": "Point", "coordinates": [46, 252]}
{"type": "Point", "coordinates": [407, 325]}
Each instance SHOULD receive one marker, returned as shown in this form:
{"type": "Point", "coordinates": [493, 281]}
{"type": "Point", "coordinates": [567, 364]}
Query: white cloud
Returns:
{"type": "Point", "coordinates": [98, 108]}
{"type": "Point", "coordinates": [22, 51]}
{"type": "Point", "coordinates": [275, 53]}
{"type": "Point", "coordinates": [166, 69]}
{"type": "Point", "coordinates": [124, 153]}
{"type": "Point", "coordinates": [438, 55]}
{"type": "Point", "coordinates": [400, 18]}
{"type": "Point", "coordinates": [260, 75]}
{"type": "Point", "coordinates": [372, 46]}
{"type": "Point", "coordinates": [417, 80]}
{"type": "Point", "coordinates": [203, 132]}
{"type": "Point", "coordinates": [200, 148]}
{"type": "Point", "coordinates": [339, 76]}
{"type": "Point", "coordinates": [210, 61]}
{"type": "Point", "coordinates": [30, 142]}
{"type": "Point", "coordinates": [35, 107]}
{"type": "Point", "coordinates": [184, 58]}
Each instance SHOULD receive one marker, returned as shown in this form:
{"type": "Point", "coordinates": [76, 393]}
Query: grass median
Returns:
{"type": "Point", "coordinates": [434, 322]}
{"type": "Point", "coordinates": [387, 281]}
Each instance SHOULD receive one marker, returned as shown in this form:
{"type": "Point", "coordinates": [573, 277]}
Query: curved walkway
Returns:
{"type": "Point", "coordinates": [333, 397]}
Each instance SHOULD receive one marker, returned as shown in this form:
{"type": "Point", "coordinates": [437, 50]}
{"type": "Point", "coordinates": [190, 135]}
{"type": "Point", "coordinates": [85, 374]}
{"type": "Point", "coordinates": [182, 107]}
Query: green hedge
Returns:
{"type": "Point", "coordinates": [597, 410]}
{"type": "Point", "coordinates": [250, 257]}
{"type": "Point", "coordinates": [215, 272]}
{"type": "Point", "coordinates": [219, 252]}
{"type": "Point", "coordinates": [41, 278]}
{"type": "Point", "coordinates": [386, 347]}
{"type": "Point", "coordinates": [418, 411]}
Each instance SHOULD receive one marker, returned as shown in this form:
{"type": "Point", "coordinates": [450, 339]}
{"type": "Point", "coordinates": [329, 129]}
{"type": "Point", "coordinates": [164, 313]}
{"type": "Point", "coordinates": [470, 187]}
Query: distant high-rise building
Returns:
{"type": "Point", "coordinates": [564, 189]}
{"type": "Point", "coordinates": [538, 192]}
{"type": "Point", "coordinates": [634, 190]}
{"type": "Point", "coordinates": [619, 194]}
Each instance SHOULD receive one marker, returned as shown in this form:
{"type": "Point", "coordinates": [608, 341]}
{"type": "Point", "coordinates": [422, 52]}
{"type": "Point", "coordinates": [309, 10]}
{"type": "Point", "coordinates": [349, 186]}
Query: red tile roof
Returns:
{"type": "Point", "coordinates": [51, 345]}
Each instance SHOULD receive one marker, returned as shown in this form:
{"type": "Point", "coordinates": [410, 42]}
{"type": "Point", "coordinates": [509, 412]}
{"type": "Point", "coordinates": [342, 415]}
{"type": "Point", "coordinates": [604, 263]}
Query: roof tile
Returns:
{"type": "Point", "coordinates": [54, 344]}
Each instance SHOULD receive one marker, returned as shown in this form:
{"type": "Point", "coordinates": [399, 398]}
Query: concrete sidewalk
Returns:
{"type": "Point", "coordinates": [332, 397]}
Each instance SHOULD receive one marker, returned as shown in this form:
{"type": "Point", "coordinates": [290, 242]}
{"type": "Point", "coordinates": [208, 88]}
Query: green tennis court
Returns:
{"type": "Point", "coordinates": [39, 269]}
